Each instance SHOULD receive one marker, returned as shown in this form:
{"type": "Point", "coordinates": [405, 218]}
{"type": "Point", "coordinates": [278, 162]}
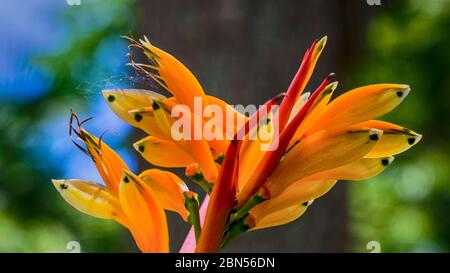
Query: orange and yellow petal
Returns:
{"type": "Point", "coordinates": [121, 101]}
{"type": "Point", "coordinates": [163, 153]}
{"type": "Point", "coordinates": [361, 169]}
{"type": "Point", "coordinates": [319, 152]}
{"type": "Point", "coordinates": [145, 212]}
{"type": "Point", "coordinates": [317, 51]}
{"type": "Point", "coordinates": [396, 139]}
{"type": "Point", "coordinates": [175, 76]}
{"type": "Point", "coordinates": [108, 162]}
{"type": "Point", "coordinates": [168, 188]}
{"type": "Point", "coordinates": [315, 111]}
{"type": "Point", "coordinates": [299, 104]}
{"type": "Point", "coordinates": [291, 203]}
{"type": "Point", "coordinates": [253, 152]}
{"type": "Point", "coordinates": [145, 120]}
{"type": "Point", "coordinates": [90, 198]}
{"type": "Point", "coordinates": [360, 104]}
{"type": "Point", "coordinates": [198, 148]}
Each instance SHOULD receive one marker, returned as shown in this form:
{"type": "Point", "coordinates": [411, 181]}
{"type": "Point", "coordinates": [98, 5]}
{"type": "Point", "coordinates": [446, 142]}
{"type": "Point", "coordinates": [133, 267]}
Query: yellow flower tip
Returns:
{"type": "Point", "coordinates": [126, 177]}
{"type": "Point", "coordinates": [322, 42]}
{"type": "Point", "coordinates": [60, 184]}
{"type": "Point", "coordinates": [90, 140]}
{"type": "Point", "coordinates": [108, 95]}
{"type": "Point", "coordinates": [331, 87]}
{"type": "Point", "coordinates": [413, 140]}
{"type": "Point", "coordinates": [387, 161]}
{"type": "Point", "coordinates": [145, 41]}
{"type": "Point", "coordinates": [139, 145]}
{"type": "Point", "coordinates": [402, 90]}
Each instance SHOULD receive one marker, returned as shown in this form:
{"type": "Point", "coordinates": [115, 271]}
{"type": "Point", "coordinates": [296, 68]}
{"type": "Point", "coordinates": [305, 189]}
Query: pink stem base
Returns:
{"type": "Point", "coordinates": [189, 243]}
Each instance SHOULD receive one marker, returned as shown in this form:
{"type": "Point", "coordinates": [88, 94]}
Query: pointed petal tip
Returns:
{"type": "Point", "coordinates": [137, 146]}
{"type": "Point", "coordinates": [402, 90]}
{"type": "Point", "coordinates": [387, 161]}
{"type": "Point", "coordinates": [391, 159]}
{"type": "Point", "coordinates": [321, 43]}
{"type": "Point", "coordinates": [60, 184]}
{"type": "Point", "coordinates": [109, 94]}
{"type": "Point", "coordinates": [334, 85]}
{"type": "Point", "coordinates": [57, 182]}
{"type": "Point", "coordinates": [417, 139]}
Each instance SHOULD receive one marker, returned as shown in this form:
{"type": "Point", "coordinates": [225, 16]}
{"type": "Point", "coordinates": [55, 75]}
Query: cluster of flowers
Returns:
{"type": "Point", "coordinates": [319, 141]}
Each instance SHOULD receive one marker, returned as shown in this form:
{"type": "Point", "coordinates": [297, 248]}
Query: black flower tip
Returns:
{"type": "Point", "coordinates": [374, 137]}
{"type": "Point", "coordinates": [138, 117]}
{"type": "Point", "coordinates": [141, 148]}
{"type": "Point", "coordinates": [126, 179]}
{"type": "Point", "coordinates": [155, 106]}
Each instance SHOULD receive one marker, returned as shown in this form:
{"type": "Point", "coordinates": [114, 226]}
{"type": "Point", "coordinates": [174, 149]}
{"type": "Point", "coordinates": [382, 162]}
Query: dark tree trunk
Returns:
{"type": "Point", "coordinates": [246, 52]}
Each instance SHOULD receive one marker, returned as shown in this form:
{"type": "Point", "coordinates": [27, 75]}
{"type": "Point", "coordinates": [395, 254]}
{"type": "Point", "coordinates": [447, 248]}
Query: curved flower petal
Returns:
{"type": "Point", "coordinates": [299, 104]}
{"type": "Point", "coordinates": [319, 152]}
{"type": "Point", "coordinates": [281, 217]}
{"type": "Point", "coordinates": [121, 101]}
{"type": "Point", "coordinates": [168, 188]}
{"type": "Point", "coordinates": [300, 80]}
{"type": "Point", "coordinates": [198, 149]}
{"type": "Point", "coordinates": [145, 120]}
{"type": "Point", "coordinates": [108, 162]}
{"type": "Point", "coordinates": [175, 76]}
{"type": "Point", "coordinates": [360, 104]}
{"type": "Point", "coordinates": [315, 111]}
{"type": "Point", "coordinates": [395, 139]}
{"type": "Point", "coordinates": [145, 212]}
{"type": "Point", "coordinates": [163, 153]}
{"type": "Point", "coordinates": [90, 198]}
{"type": "Point", "coordinates": [252, 150]}
{"type": "Point", "coordinates": [361, 169]}
{"type": "Point", "coordinates": [291, 203]}
{"type": "Point", "coordinates": [235, 118]}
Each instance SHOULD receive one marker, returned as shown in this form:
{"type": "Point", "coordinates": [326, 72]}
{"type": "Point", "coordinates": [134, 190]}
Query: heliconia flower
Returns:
{"type": "Point", "coordinates": [320, 142]}
{"type": "Point", "coordinates": [313, 141]}
{"type": "Point", "coordinates": [136, 202]}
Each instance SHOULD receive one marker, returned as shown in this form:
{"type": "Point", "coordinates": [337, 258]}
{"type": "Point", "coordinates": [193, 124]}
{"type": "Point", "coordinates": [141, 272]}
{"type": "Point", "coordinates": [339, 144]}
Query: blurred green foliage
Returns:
{"type": "Point", "coordinates": [406, 207]}
{"type": "Point", "coordinates": [33, 217]}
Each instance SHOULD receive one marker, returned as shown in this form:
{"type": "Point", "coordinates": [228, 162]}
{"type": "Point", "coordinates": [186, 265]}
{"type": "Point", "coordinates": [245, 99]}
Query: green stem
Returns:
{"type": "Point", "coordinates": [261, 196]}
{"type": "Point", "coordinates": [192, 205]}
{"type": "Point", "coordinates": [238, 227]}
{"type": "Point", "coordinates": [200, 180]}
